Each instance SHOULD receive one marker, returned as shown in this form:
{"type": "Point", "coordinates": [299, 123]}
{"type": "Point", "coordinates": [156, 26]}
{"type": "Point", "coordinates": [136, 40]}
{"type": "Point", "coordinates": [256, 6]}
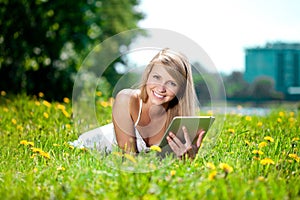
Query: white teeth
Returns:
{"type": "Point", "coordinates": [157, 95]}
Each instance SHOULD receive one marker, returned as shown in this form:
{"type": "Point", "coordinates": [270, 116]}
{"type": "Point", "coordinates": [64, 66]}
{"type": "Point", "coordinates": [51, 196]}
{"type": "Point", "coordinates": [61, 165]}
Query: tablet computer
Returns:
{"type": "Point", "coordinates": [192, 124]}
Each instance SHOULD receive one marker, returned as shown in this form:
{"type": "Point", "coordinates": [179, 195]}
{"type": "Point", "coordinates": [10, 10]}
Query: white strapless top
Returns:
{"type": "Point", "coordinates": [104, 138]}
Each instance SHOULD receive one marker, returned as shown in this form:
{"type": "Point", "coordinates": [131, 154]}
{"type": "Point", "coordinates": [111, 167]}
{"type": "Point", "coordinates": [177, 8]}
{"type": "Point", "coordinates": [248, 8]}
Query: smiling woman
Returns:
{"type": "Point", "coordinates": [141, 116]}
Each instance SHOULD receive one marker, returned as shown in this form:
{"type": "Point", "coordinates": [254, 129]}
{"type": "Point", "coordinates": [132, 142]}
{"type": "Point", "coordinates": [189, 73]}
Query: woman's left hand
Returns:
{"type": "Point", "coordinates": [187, 149]}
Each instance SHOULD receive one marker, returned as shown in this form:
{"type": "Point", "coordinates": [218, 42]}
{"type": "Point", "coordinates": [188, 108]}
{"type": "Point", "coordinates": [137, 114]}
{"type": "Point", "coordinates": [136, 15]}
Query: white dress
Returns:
{"type": "Point", "coordinates": [104, 138]}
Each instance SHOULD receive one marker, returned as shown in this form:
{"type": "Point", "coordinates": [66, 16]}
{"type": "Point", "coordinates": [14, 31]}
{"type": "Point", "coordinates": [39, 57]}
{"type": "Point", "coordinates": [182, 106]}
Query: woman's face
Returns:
{"type": "Point", "coordinates": [161, 86]}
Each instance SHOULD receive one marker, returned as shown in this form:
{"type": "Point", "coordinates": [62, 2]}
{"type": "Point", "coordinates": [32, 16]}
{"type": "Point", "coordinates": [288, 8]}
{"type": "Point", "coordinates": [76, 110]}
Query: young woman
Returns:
{"type": "Point", "coordinates": [141, 116]}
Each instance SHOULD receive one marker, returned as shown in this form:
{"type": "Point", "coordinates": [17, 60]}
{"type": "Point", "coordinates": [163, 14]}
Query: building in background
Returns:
{"type": "Point", "coordinates": [278, 61]}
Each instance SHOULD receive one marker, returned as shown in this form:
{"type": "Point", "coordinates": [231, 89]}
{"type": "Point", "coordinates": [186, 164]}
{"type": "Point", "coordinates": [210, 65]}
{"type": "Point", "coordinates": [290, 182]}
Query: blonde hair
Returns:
{"type": "Point", "coordinates": [176, 64]}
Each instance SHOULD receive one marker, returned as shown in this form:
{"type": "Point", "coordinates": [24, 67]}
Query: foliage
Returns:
{"type": "Point", "coordinates": [43, 42]}
{"type": "Point", "coordinates": [254, 157]}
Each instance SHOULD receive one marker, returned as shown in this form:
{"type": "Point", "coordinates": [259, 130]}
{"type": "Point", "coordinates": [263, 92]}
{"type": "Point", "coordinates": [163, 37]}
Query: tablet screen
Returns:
{"type": "Point", "coordinates": [192, 124]}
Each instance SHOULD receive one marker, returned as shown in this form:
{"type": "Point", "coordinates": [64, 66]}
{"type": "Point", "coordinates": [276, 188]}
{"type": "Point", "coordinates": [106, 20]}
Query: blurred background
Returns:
{"type": "Point", "coordinates": [255, 45]}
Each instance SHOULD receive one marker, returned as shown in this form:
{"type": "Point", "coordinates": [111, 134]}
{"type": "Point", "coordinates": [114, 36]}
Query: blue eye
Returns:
{"type": "Point", "coordinates": [173, 84]}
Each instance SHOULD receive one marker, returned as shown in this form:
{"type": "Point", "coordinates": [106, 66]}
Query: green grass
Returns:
{"type": "Point", "coordinates": [51, 169]}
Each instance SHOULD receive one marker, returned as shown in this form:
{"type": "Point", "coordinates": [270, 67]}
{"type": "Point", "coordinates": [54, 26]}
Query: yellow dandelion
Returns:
{"type": "Point", "coordinates": [155, 148]}
{"type": "Point", "coordinates": [66, 113]}
{"type": "Point", "coordinates": [172, 172]}
{"type": "Point", "coordinates": [36, 150]}
{"type": "Point", "coordinates": [20, 128]}
{"type": "Point", "coordinates": [5, 109]}
{"type": "Point", "coordinates": [226, 168]}
{"type": "Point", "coordinates": [46, 103]}
{"type": "Point", "coordinates": [130, 157]}
{"type": "Point", "coordinates": [37, 103]}
{"type": "Point", "coordinates": [269, 138]}
{"type": "Point", "coordinates": [262, 144]}
{"type": "Point", "coordinates": [14, 121]}
{"type": "Point", "coordinates": [247, 142]}
{"type": "Point", "coordinates": [212, 175]}
{"type": "Point", "coordinates": [33, 155]}
{"type": "Point", "coordinates": [295, 139]}
{"type": "Point", "coordinates": [116, 153]}
{"type": "Point", "coordinates": [30, 144]}
{"type": "Point", "coordinates": [258, 152]}
{"type": "Point", "coordinates": [41, 94]}
{"type": "Point", "coordinates": [68, 126]}
{"type": "Point", "coordinates": [46, 115]}
{"type": "Point", "coordinates": [292, 119]}
{"type": "Point", "coordinates": [295, 157]}
{"type": "Point", "coordinates": [35, 170]}
{"type": "Point", "coordinates": [61, 107]}
{"type": "Point", "coordinates": [292, 114]}
{"type": "Point", "coordinates": [71, 147]}
{"type": "Point", "coordinates": [281, 114]}
{"type": "Point", "coordinates": [24, 142]}
{"type": "Point", "coordinates": [279, 120]}
{"type": "Point", "coordinates": [45, 154]}
{"type": "Point", "coordinates": [248, 118]}
{"type": "Point", "coordinates": [267, 161]}
{"type": "Point", "coordinates": [231, 130]}
{"type": "Point", "coordinates": [259, 124]}
{"type": "Point", "coordinates": [104, 104]}
{"type": "Point", "coordinates": [261, 178]}
{"type": "Point", "coordinates": [256, 158]}
{"type": "Point", "coordinates": [99, 93]}
{"type": "Point", "coordinates": [60, 168]}
{"type": "Point", "coordinates": [210, 166]}
{"type": "Point", "coordinates": [66, 100]}
{"type": "Point", "coordinates": [3, 93]}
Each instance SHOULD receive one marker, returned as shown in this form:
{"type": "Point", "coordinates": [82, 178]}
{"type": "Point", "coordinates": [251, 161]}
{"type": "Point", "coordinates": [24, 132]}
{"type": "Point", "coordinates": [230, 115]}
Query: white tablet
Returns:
{"type": "Point", "coordinates": [192, 124]}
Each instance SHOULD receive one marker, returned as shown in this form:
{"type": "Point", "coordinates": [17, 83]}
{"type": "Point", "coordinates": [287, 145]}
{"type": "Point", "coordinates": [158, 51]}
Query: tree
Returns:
{"type": "Point", "coordinates": [42, 42]}
{"type": "Point", "coordinates": [263, 89]}
{"type": "Point", "coordinates": [236, 86]}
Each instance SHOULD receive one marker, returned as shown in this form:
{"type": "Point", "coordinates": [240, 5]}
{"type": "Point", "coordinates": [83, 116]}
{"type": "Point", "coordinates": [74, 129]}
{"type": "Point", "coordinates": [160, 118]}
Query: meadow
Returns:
{"type": "Point", "coordinates": [249, 157]}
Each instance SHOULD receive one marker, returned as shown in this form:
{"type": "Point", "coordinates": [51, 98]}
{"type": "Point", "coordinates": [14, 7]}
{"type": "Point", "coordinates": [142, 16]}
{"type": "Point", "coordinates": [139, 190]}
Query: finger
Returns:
{"type": "Point", "coordinates": [176, 140]}
{"type": "Point", "coordinates": [200, 138]}
{"type": "Point", "coordinates": [173, 145]}
{"type": "Point", "coordinates": [186, 137]}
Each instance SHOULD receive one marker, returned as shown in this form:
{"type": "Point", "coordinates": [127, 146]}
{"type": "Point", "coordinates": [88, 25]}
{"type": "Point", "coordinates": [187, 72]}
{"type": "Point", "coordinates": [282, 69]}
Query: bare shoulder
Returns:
{"type": "Point", "coordinates": [127, 96]}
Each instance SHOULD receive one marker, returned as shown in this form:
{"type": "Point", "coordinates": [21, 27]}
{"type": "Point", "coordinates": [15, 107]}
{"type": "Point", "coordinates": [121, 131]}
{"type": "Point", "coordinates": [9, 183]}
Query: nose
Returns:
{"type": "Point", "coordinates": [161, 88]}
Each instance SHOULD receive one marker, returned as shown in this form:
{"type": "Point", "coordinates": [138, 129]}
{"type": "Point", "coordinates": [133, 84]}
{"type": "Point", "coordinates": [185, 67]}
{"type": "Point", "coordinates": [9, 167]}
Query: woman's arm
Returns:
{"type": "Point", "coordinates": [123, 122]}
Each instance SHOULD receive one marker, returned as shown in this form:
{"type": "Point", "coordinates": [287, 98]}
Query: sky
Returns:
{"type": "Point", "coordinates": [224, 28]}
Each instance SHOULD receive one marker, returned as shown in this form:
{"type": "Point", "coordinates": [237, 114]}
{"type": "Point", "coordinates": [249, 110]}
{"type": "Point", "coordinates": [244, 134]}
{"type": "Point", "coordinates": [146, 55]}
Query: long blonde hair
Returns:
{"type": "Point", "coordinates": [185, 103]}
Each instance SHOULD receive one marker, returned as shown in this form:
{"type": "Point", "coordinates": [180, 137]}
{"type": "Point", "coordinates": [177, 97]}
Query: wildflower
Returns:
{"type": "Point", "coordinates": [5, 109]}
{"type": "Point", "coordinates": [130, 157]}
{"type": "Point", "coordinates": [279, 120]}
{"type": "Point", "coordinates": [295, 157]}
{"type": "Point", "coordinates": [66, 113]}
{"type": "Point", "coordinates": [60, 168]}
{"type": "Point", "coordinates": [24, 142]}
{"type": "Point", "coordinates": [41, 94]}
{"type": "Point", "coordinates": [256, 158]}
{"type": "Point", "coordinates": [20, 128]}
{"type": "Point", "coordinates": [247, 142]}
{"type": "Point", "coordinates": [66, 100]}
{"type": "Point", "coordinates": [281, 114]}
{"type": "Point", "coordinates": [99, 93]}
{"type": "Point", "coordinates": [210, 166]}
{"type": "Point", "coordinates": [248, 118]}
{"type": "Point", "coordinates": [37, 103]}
{"type": "Point", "coordinates": [36, 150]}
{"type": "Point", "coordinates": [212, 175]}
{"type": "Point", "coordinates": [46, 115]}
{"type": "Point", "coordinates": [226, 168]}
{"type": "Point", "coordinates": [35, 170]}
{"type": "Point", "coordinates": [295, 139]}
{"type": "Point", "coordinates": [259, 124]}
{"type": "Point", "coordinates": [258, 152]}
{"type": "Point", "coordinates": [30, 144]}
{"type": "Point", "coordinates": [68, 126]}
{"type": "Point", "coordinates": [292, 120]}
{"type": "Point", "coordinates": [14, 121]}
{"type": "Point", "coordinates": [269, 138]}
{"type": "Point", "coordinates": [45, 154]}
{"type": "Point", "coordinates": [261, 178]}
{"type": "Point", "coordinates": [292, 114]}
{"type": "Point", "coordinates": [231, 130]}
{"type": "Point", "coordinates": [262, 144]}
{"type": "Point", "coordinates": [267, 161]}
{"type": "Point", "coordinates": [33, 155]}
{"type": "Point", "coordinates": [104, 104]}
{"type": "Point", "coordinates": [155, 148]}
{"type": "Point", "coordinates": [61, 107]}
{"type": "Point", "coordinates": [173, 172]}
{"type": "Point", "coordinates": [46, 103]}
{"type": "Point", "coordinates": [71, 147]}
{"type": "Point", "coordinates": [3, 93]}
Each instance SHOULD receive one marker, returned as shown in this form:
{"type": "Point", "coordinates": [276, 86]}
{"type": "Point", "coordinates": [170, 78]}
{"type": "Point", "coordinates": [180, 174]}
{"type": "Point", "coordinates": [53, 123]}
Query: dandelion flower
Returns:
{"type": "Point", "coordinates": [267, 161]}
{"type": "Point", "coordinates": [60, 168]}
{"type": "Point", "coordinates": [248, 118]}
{"type": "Point", "coordinates": [295, 139]}
{"type": "Point", "coordinates": [30, 143]}
{"type": "Point", "coordinates": [247, 142]}
{"type": "Point", "coordinates": [3, 93]}
{"type": "Point", "coordinates": [295, 157]}
{"type": "Point", "coordinates": [5, 109]}
{"type": "Point", "coordinates": [279, 120]}
{"type": "Point", "coordinates": [36, 150]}
{"type": "Point", "coordinates": [37, 103]}
{"type": "Point", "coordinates": [261, 178]}
{"type": "Point", "coordinates": [292, 114]}
{"type": "Point", "coordinates": [269, 138]}
{"type": "Point", "coordinates": [210, 166]}
{"type": "Point", "coordinates": [66, 113]}
{"type": "Point", "coordinates": [212, 175]}
{"type": "Point", "coordinates": [258, 152]}
{"type": "Point", "coordinates": [14, 121]}
{"type": "Point", "coordinates": [262, 144]}
{"type": "Point", "coordinates": [231, 130]}
{"type": "Point", "coordinates": [155, 148]}
{"type": "Point", "coordinates": [46, 115]}
{"type": "Point", "coordinates": [172, 172]}
{"type": "Point", "coordinates": [45, 154]}
{"type": "Point", "coordinates": [99, 93]}
{"type": "Point", "coordinates": [226, 168]}
{"type": "Point", "coordinates": [259, 124]}
{"type": "Point", "coordinates": [24, 142]}
{"type": "Point", "coordinates": [46, 103]}
{"type": "Point", "coordinates": [281, 114]}
{"type": "Point", "coordinates": [104, 104]}
{"type": "Point", "coordinates": [41, 94]}
{"type": "Point", "coordinates": [66, 100]}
